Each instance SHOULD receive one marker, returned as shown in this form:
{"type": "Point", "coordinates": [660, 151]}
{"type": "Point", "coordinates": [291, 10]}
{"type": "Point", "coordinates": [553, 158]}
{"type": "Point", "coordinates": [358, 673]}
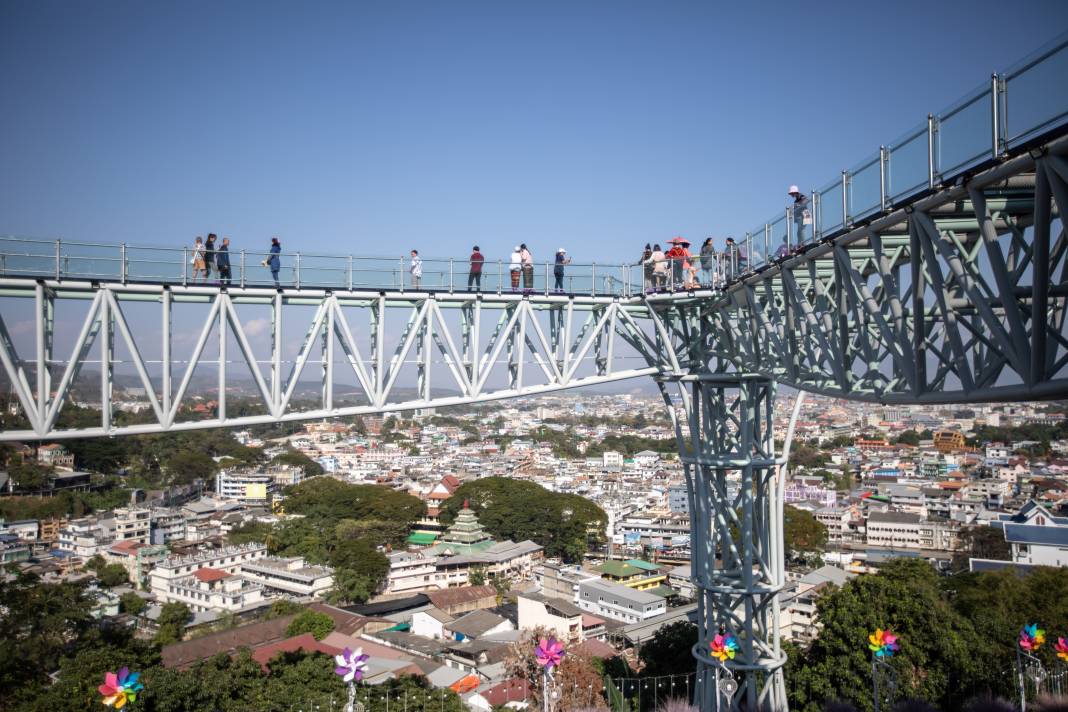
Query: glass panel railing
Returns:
{"type": "Point", "coordinates": [1036, 93]}
{"type": "Point", "coordinates": [779, 237]}
{"type": "Point", "coordinates": [965, 133]}
{"type": "Point", "coordinates": [760, 236]}
{"type": "Point", "coordinates": [865, 188]}
{"type": "Point", "coordinates": [906, 164]}
{"type": "Point", "coordinates": [156, 264]}
{"type": "Point", "coordinates": [19, 258]}
{"type": "Point", "coordinates": [829, 214]}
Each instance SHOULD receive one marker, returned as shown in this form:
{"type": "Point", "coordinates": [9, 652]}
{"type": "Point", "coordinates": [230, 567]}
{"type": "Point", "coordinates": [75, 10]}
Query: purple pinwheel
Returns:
{"type": "Point", "coordinates": [351, 664]}
{"type": "Point", "coordinates": [549, 653]}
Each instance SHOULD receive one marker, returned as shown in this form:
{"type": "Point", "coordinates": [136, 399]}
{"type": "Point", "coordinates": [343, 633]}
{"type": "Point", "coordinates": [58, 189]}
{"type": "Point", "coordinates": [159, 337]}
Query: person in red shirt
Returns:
{"type": "Point", "coordinates": [474, 277]}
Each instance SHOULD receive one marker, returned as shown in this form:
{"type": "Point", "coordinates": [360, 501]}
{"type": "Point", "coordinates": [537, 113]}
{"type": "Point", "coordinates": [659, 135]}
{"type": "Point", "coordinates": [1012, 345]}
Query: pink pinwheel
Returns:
{"type": "Point", "coordinates": [120, 688]}
{"type": "Point", "coordinates": [351, 664]}
{"type": "Point", "coordinates": [883, 643]}
{"type": "Point", "coordinates": [1061, 646]}
{"type": "Point", "coordinates": [549, 653]}
{"type": "Point", "coordinates": [1032, 637]}
{"type": "Point", "coordinates": [723, 647]}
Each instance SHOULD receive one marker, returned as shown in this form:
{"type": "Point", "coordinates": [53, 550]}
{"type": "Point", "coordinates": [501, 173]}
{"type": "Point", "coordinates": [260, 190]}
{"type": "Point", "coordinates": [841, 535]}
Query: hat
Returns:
{"type": "Point", "coordinates": [676, 240]}
{"type": "Point", "coordinates": [561, 250]}
{"type": "Point", "coordinates": [793, 189]}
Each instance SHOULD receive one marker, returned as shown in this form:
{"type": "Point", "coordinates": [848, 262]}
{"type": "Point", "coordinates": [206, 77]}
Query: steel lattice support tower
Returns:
{"type": "Point", "coordinates": [736, 508]}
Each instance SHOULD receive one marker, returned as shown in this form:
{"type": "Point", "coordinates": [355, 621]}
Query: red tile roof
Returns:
{"type": "Point", "coordinates": [304, 641]}
{"type": "Point", "coordinates": [508, 691]}
{"type": "Point", "coordinates": [207, 575]}
{"type": "Point", "coordinates": [597, 649]}
{"type": "Point", "coordinates": [127, 547]}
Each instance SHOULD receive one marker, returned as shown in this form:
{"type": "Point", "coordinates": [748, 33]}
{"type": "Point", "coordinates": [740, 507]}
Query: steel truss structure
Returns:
{"type": "Point", "coordinates": [735, 487]}
{"type": "Point", "coordinates": [958, 297]}
{"type": "Point", "coordinates": [490, 347]}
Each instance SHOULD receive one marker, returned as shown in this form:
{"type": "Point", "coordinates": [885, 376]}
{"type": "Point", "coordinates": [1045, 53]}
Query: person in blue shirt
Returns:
{"type": "Point", "coordinates": [558, 269]}
{"type": "Point", "coordinates": [273, 260]}
{"type": "Point", "coordinates": [800, 213]}
{"type": "Point", "coordinates": [222, 262]}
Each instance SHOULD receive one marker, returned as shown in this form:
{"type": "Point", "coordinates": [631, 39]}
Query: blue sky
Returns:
{"type": "Point", "coordinates": [372, 128]}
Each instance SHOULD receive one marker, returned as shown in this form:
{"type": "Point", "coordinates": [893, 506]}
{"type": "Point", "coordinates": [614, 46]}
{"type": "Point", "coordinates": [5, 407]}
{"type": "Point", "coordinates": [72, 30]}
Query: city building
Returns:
{"type": "Point", "coordinates": [55, 455]}
{"type": "Point", "coordinates": [618, 602]}
{"type": "Point", "coordinates": [289, 576]}
{"type": "Point", "coordinates": [228, 559]}
{"type": "Point", "coordinates": [133, 524]}
{"type": "Point", "coordinates": [249, 489]}
{"type": "Point", "coordinates": [562, 617]}
{"type": "Point", "coordinates": [208, 589]}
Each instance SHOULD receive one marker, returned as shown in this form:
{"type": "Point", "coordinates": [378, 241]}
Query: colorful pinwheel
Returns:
{"type": "Point", "coordinates": [723, 647]}
{"type": "Point", "coordinates": [351, 664]}
{"type": "Point", "coordinates": [118, 689]}
{"type": "Point", "coordinates": [1061, 646]}
{"type": "Point", "coordinates": [1032, 637]}
{"type": "Point", "coordinates": [883, 643]}
{"type": "Point", "coordinates": [549, 653]}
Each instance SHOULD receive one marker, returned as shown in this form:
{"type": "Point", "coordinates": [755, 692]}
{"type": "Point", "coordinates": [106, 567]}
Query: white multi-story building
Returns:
{"type": "Point", "coordinates": [228, 559]}
{"type": "Point", "coordinates": [84, 538]}
{"type": "Point", "coordinates": [250, 489]}
{"type": "Point", "coordinates": [619, 602]}
{"type": "Point", "coordinates": [562, 617]}
{"type": "Point", "coordinates": [213, 590]}
{"type": "Point", "coordinates": [167, 525]}
{"type": "Point", "coordinates": [411, 571]}
{"type": "Point", "coordinates": [1036, 537]}
{"type": "Point", "coordinates": [910, 531]}
{"type": "Point", "coordinates": [292, 576]}
{"type": "Point", "coordinates": [133, 524]}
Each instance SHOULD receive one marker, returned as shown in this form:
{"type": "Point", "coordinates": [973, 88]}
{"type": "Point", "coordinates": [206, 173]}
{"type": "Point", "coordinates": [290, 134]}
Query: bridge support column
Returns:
{"type": "Point", "coordinates": [736, 510]}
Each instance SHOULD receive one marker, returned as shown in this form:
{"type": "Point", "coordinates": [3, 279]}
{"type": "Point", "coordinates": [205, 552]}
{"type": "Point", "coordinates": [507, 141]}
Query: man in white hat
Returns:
{"type": "Point", "coordinates": [800, 213]}
{"type": "Point", "coordinates": [558, 269]}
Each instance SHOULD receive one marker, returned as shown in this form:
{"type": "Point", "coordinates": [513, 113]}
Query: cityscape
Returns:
{"type": "Point", "coordinates": [429, 357]}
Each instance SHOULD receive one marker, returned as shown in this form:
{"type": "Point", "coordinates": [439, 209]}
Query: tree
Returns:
{"type": "Point", "coordinates": [295, 458]}
{"type": "Point", "coordinates": [801, 531]}
{"type": "Point", "coordinates": [186, 466]}
{"type": "Point", "coordinates": [112, 575]}
{"type": "Point", "coordinates": [132, 603]}
{"type": "Point", "coordinates": [173, 618]}
{"type": "Point", "coordinates": [476, 576]}
{"type": "Point", "coordinates": [501, 585]}
{"type": "Point", "coordinates": [905, 597]}
{"type": "Point", "coordinates": [908, 437]}
{"type": "Point", "coordinates": [38, 622]}
{"type": "Point", "coordinates": [804, 455]}
{"type": "Point", "coordinates": [669, 652]}
{"type": "Point", "coordinates": [30, 476]}
{"type": "Point", "coordinates": [577, 680]}
{"type": "Point", "coordinates": [980, 542]}
{"type": "Point", "coordinates": [318, 624]}
{"type": "Point", "coordinates": [282, 608]}
{"type": "Point", "coordinates": [350, 587]}
{"type": "Point", "coordinates": [328, 501]}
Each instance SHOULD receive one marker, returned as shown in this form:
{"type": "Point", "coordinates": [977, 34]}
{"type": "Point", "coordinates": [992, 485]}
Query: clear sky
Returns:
{"type": "Point", "coordinates": [375, 127]}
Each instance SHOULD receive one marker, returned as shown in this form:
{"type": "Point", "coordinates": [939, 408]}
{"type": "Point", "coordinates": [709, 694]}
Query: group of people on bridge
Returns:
{"type": "Point", "coordinates": [673, 269]}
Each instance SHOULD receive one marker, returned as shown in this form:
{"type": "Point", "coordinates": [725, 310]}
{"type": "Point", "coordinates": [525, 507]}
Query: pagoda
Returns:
{"type": "Point", "coordinates": [465, 536]}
